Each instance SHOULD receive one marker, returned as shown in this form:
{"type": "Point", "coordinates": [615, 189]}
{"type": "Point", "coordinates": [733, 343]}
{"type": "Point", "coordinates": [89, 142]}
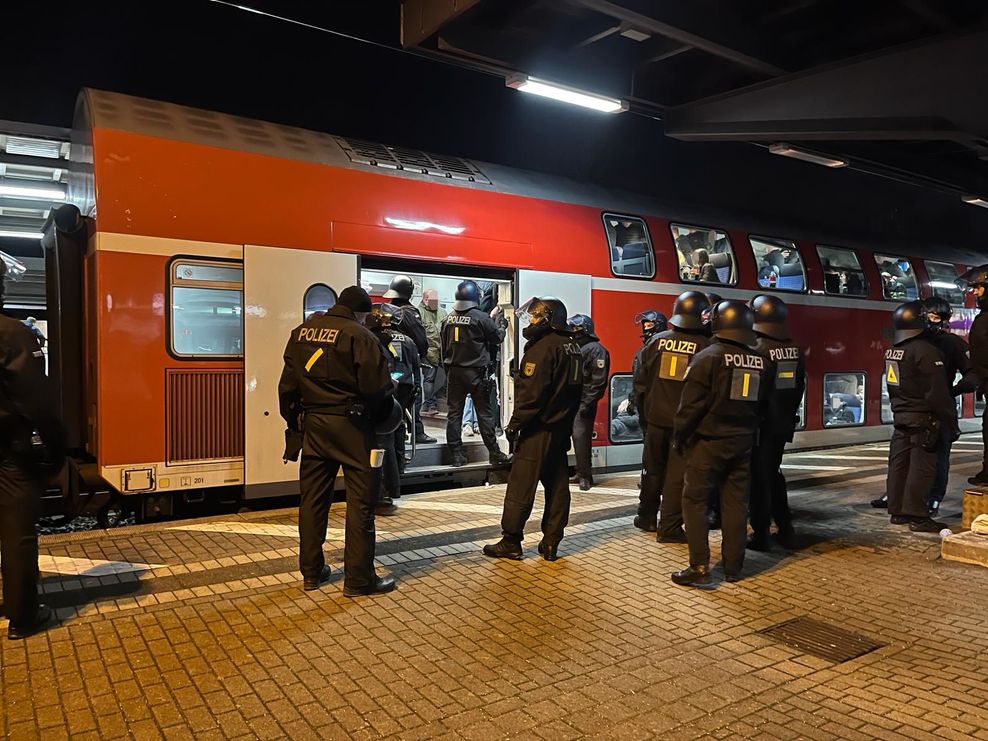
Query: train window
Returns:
{"type": "Point", "coordinates": [898, 279]}
{"type": "Point", "coordinates": [779, 264]}
{"type": "Point", "coordinates": [319, 298]}
{"type": "Point", "coordinates": [630, 246]}
{"type": "Point", "coordinates": [942, 277]}
{"type": "Point", "coordinates": [705, 255]}
{"type": "Point", "coordinates": [206, 311]}
{"type": "Point", "coordinates": [843, 399]}
{"type": "Point", "coordinates": [624, 427]}
{"type": "Point", "coordinates": [842, 272]}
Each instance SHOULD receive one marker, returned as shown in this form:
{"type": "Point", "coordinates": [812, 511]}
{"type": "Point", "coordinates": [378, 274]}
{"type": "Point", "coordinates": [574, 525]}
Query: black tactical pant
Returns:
{"type": "Point", "coordinates": [20, 502]}
{"type": "Point", "coordinates": [460, 383]}
{"type": "Point", "coordinates": [539, 456]}
{"type": "Point", "coordinates": [939, 490]}
{"type": "Point", "coordinates": [911, 473]}
{"type": "Point", "coordinates": [405, 396]}
{"type": "Point", "coordinates": [671, 511]}
{"type": "Point", "coordinates": [769, 495]}
{"type": "Point", "coordinates": [583, 442]}
{"type": "Point", "coordinates": [657, 443]}
{"type": "Point", "coordinates": [331, 442]}
{"type": "Point", "coordinates": [712, 465]}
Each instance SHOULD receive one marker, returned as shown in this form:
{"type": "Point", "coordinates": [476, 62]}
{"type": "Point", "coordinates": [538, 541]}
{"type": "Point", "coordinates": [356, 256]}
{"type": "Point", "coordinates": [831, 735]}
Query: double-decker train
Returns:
{"type": "Point", "coordinates": [202, 239]}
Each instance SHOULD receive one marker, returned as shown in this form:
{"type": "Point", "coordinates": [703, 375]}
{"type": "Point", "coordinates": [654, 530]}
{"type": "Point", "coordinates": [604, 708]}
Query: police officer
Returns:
{"type": "Point", "coordinates": [975, 280]}
{"type": "Point", "coordinates": [718, 417]}
{"type": "Point", "coordinates": [923, 413]}
{"type": "Point", "coordinates": [26, 406]}
{"type": "Point", "coordinates": [399, 293]}
{"type": "Point", "coordinates": [769, 496]}
{"type": "Point", "coordinates": [651, 323]}
{"type": "Point", "coordinates": [548, 390]}
{"type": "Point", "coordinates": [713, 508]}
{"type": "Point", "coordinates": [470, 340]}
{"type": "Point", "coordinates": [658, 386]}
{"type": "Point", "coordinates": [384, 321]}
{"type": "Point", "coordinates": [336, 377]}
{"type": "Point", "coordinates": [596, 371]}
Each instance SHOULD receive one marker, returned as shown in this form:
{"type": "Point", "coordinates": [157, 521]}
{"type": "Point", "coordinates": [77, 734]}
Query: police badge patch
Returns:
{"type": "Point", "coordinates": [529, 370]}
{"type": "Point", "coordinates": [600, 363]}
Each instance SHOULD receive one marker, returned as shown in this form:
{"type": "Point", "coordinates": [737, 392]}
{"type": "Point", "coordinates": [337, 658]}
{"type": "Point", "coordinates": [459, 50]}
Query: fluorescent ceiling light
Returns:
{"type": "Point", "coordinates": [975, 201]}
{"type": "Point", "coordinates": [43, 194]}
{"type": "Point", "coordinates": [786, 150]}
{"type": "Point", "coordinates": [21, 235]}
{"type": "Point", "coordinates": [566, 94]}
{"type": "Point", "coordinates": [423, 226]}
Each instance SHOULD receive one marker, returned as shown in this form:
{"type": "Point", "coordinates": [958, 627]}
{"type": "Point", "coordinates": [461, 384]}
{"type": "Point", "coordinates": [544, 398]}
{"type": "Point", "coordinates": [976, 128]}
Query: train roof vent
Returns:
{"type": "Point", "coordinates": [411, 160]}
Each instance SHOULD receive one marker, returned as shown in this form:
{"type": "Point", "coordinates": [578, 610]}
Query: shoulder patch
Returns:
{"type": "Point", "coordinates": [600, 363]}
{"type": "Point", "coordinates": [529, 370]}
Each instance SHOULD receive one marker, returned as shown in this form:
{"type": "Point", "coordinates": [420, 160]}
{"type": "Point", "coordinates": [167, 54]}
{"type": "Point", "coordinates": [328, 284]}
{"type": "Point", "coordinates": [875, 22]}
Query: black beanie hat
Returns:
{"type": "Point", "coordinates": [356, 299]}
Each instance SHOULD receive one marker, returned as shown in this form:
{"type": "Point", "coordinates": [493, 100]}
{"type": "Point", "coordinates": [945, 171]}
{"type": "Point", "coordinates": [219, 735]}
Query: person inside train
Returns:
{"type": "Point", "coordinates": [433, 375]}
{"type": "Point", "coordinates": [892, 287]}
{"type": "Point", "coordinates": [703, 270]}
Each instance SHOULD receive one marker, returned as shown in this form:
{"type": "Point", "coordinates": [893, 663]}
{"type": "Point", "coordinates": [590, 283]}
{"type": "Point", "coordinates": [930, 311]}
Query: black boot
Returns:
{"type": "Point", "coordinates": [648, 524]}
{"type": "Point", "coordinates": [459, 456]}
{"type": "Point", "coordinates": [548, 551]}
{"type": "Point", "coordinates": [497, 458]}
{"type": "Point", "coordinates": [693, 576]}
{"type": "Point", "coordinates": [673, 536]}
{"type": "Point", "coordinates": [881, 503]}
{"type": "Point", "coordinates": [786, 536]}
{"type": "Point", "coordinates": [385, 507]}
{"type": "Point", "coordinates": [504, 548]}
{"type": "Point", "coordinates": [586, 484]}
{"type": "Point", "coordinates": [41, 619]}
{"type": "Point", "coordinates": [900, 519]}
{"type": "Point", "coordinates": [926, 525]}
{"type": "Point", "coordinates": [758, 542]}
{"type": "Point", "coordinates": [980, 478]}
{"type": "Point", "coordinates": [381, 585]}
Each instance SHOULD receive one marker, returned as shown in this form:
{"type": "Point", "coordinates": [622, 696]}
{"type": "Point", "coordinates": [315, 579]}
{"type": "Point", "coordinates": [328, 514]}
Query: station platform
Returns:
{"type": "Point", "coordinates": [200, 628]}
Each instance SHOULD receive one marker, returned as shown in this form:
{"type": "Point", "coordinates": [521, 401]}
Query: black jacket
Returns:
{"type": "Point", "coordinates": [978, 340]}
{"type": "Point", "coordinates": [548, 386]}
{"type": "Point", "coordinates": [724, 395]}
{"type": "Point", "coordinates": [27, 399]}
{"type": "Point", "coordinates": [917, 384]}
{"type": "Point", "coordinates": [956, 360]}
{"type": "Point", "coordinates": [411, 325]}
{"type": "Point", "coordinates": [470, 339]}
{"type": "Point", "coordinates": [596, 371]}
{"type": "Point", "coordinates": [332, 361]}
{"type": "Point", "coordinates": [402, 355]}
{"type": "Point", "coordinates": [661, 372]}
{"type": "Point", "coordinates": [789, 384]}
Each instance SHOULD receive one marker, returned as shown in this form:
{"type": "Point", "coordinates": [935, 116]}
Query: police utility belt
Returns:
{"type": "Point", "coordinates": [354, 410]}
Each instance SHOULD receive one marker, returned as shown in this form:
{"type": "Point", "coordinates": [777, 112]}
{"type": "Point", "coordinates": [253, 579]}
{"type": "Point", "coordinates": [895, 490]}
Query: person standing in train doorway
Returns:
{"type": "Point", "coordinates": [336, 393]}
{"type": "Point", "coordinates": [723, 401]}
{"type": "Point", "coordinates": [769, 496]}
{"type": "Point", "coordinates": [922, 412]}
{"type": "Point", "coordinates": [26, 410]}
{"type": "Point", "coordinates": [975, 280]}
{"type": "Point", "coordinates": [659, 387]}
{"type": "Point", "coordinates": [434, 377]}
{"type": "Point", "coordinates": [470, 340]}
{"type": "Point", "coordinates": [596, 371]}
{"type": "Point", "coordinates": [400, 293]}
{"type": "Point", "coordinates": [548, 390]}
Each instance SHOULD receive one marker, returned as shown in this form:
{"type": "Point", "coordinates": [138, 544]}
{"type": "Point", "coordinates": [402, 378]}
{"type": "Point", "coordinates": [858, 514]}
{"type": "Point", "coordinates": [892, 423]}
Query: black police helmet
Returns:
{"type": "Point", "coordinates": [548, 310]}
{"type": "Point", "coordinates": [733, 320]}
{"type": "Point", "coordinates": [355, 298]}
{"type": "Point", "coordinates": [974, 277]}
{"type": "Point", "coordinates": [770, 316]}
{"type": "Point", "coordinates": [467, 296]}
{"type": "Point", "coordinates": [581, 324]}
{"type": "Point", "coordinates": [651, 322]}
{"type": "Point", "coordinates": [383, 316]}
{"type": "Point", "coordinates": [939, 306]}
{"type": "Point", "coordinates": [908, 321]}
{"type": "Point", "coordinates": [388, 424]}
{"type": "Point", "coordinates": [688, 310]}
{"type": "Point", "coordinates": [401, 287]}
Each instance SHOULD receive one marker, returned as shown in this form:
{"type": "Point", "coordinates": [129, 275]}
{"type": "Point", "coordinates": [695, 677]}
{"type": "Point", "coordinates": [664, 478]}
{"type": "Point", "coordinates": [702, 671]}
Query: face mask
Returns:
{"type": "Point", "coordinates": [534, 331]}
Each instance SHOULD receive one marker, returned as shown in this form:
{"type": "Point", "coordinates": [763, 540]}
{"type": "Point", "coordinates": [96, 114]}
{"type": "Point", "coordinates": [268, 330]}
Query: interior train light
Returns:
{"type": "Point", "coordinates": [786, 150]}
{"type": "Point", "coordinates": [47, 194]}
{"type": "Point", "coordinates": [20, 235]}
{"type": "Point", "coordinates": [423, 226]}
{"type": "Point", "coordinates": [975, 201]}
{"type": "Point", "coordinates": [566, 94]}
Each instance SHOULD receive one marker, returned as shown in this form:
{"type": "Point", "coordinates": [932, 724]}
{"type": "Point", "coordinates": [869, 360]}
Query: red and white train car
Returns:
{"type": "Point", "coordinates": [208, 237]}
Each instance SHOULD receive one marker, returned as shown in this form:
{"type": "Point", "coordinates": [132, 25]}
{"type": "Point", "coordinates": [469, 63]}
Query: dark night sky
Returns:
{"type": "Point", "coordinates": [206, 55]}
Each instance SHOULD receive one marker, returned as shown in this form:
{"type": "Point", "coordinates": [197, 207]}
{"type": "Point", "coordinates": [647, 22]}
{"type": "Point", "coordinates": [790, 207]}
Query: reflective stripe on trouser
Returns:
{"type": "Point", "coordinates": [718, 465]}
{"type": "Point", "coordinates": [540, 456]}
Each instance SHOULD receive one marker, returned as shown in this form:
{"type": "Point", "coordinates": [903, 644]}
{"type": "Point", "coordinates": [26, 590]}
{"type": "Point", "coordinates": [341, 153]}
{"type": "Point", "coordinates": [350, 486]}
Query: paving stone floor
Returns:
{"type": "Point", "coordinates": [200, 628]}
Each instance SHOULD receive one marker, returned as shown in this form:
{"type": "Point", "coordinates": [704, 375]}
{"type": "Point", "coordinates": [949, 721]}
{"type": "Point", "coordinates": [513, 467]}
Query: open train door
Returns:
{"type": "Point", "coordinates": [280, 286]}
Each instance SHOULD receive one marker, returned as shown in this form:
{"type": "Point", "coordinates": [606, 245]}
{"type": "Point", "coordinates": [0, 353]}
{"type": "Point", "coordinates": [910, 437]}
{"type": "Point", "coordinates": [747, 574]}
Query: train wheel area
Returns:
{"type": "Point", "coordinates": [201, 627]}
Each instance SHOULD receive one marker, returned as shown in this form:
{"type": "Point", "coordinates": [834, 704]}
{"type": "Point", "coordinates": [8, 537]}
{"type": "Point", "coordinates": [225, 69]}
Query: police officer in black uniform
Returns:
{"type": "Point", "coordinates": [384, 321]}
{"type": "Point", "coordinates": [651, 322]}
{"type": "Point", "coordinates": [399, 293]}
{"type": "Point", "coordinates": [26, 407]}
{"type": "Point", "coordinates": [713, 508]}
{"type": "Point", "coordinates": [596, 371]}
{"type": "Point", "coordinates": [718, 418]}
{"type": "Point", "coordinates": [922, 413]}
{"type": "Point", "coordinates": [957, 362]}
{"type": "Point", "coordinates": [470, 340]}
{"type": "Point", "coordinates": [975, 280]}
{"type": "Point", "coordinates": [548, 390]}
{"type": "Point", "coordinates": [336, 387]}
{"type": "Point", "coordinates": [769, 496]}
{"type": "Point", "coordinates": [658, 386]}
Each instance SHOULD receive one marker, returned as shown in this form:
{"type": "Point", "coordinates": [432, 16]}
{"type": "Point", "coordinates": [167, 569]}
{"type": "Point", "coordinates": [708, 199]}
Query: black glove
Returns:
{"type": "Point", "coordinates": [679, 444]}
{"type": "Point", "coordinates": [931, 435]}
{"type": "Point", "coordinates": [293, 445]}
{"type": "Point", "coordinates": [511, 434]}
